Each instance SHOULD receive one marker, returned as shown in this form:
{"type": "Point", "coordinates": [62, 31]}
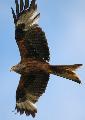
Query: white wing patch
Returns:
{"type": "Point", "coordinates": [27, 106]}
{"type": "Point", "coordinates": [29, 18]}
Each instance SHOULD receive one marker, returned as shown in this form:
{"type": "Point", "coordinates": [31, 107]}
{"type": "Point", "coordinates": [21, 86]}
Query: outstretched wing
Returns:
{"type": "Point", "coordinates": [36, 44]}
{"type": "Point", "coordinates": [30, 88]}
{"type": "Point", "coordinates": [29, 36]}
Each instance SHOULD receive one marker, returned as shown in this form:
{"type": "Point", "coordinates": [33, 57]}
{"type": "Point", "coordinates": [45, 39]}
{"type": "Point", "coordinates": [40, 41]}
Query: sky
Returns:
{"type": "Point", "coordinates": [64, 24]}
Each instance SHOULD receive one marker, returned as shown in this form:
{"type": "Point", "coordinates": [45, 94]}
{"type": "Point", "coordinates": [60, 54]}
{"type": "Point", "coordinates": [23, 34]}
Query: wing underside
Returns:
{"type": "Point", "coordinates": [36, 44]}
{"type": "Point", "coordinates": [32, 41]}
{"type": "Point", "coordinates": [30, 88]}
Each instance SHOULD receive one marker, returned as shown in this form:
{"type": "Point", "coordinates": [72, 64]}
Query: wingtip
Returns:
{"type": "Point", "coordinates": [79, 65]}
{"type": "Point", "coordinates": [14, 15]}
{"type": "Point", "coordinates": [33, 5]}
{"type": "Point", "coordinates": [16, 1]}
{"type": "Point", "coordinates": [21, 5]}
{"type": "Point", "coordinates": [26, 107]}
{"type": "Point", "coordinates": [26, 4]}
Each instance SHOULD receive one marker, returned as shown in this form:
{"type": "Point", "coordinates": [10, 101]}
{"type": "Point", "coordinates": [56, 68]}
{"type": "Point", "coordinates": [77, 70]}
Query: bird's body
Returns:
{"type": "Point", "coordinates": [29, 64]}
{"type": "Point", "coordinates": [34, 66]}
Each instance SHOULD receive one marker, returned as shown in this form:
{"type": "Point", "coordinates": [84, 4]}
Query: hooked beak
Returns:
{"type": "Point", "coordinates": [11, 69]}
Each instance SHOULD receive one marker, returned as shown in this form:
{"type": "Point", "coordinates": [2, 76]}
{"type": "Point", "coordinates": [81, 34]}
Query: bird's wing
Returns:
{"type": "Point", "coordinates": [36, 44]}
{"type": "Point", "coordinates": [32, 41]}
{"type": "Point", "coordinates": [25, 13]}
{"type": "Point", "coordinates": [30, 88]}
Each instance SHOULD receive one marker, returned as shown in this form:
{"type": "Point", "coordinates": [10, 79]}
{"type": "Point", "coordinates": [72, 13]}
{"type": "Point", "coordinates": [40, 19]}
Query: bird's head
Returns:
{"type": "Point", "coordinates": [17, 68]}
{"type": "Point", "coordinates": [14, 68]}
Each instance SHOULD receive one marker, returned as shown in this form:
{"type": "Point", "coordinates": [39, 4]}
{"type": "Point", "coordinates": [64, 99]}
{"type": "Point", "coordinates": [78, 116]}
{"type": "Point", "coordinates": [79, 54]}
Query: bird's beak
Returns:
{"type": "Point", "coordinates": [11, 70]}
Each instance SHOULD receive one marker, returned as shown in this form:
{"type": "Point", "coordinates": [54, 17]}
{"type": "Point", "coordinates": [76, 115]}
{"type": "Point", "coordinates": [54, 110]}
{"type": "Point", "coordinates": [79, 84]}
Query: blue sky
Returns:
{"type": "Point", "coordinates": [64, 24]}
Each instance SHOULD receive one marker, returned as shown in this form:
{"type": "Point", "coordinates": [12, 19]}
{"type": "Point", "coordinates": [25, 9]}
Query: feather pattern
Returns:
{"type": "Point", "coordinates": [17, 7]}
{"type": "Point", "coordinates": [13, 13]}
{"type": "Point", "coordinates": [30, 88]}
{"type": "Point", "coordinates": [33, 5]}
{"type": "Point", "coordinates": [26, 4]}
{"type": "Point", "coordinates": [21, 5]}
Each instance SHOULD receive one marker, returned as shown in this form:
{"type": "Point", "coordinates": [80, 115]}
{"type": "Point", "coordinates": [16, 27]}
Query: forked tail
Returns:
{"type": "Point", "coordinates": [66, 71]}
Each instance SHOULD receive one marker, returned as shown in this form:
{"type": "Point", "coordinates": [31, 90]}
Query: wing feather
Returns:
{"type": "Point", "coordinates": [33, 44]}
{"type": "Point", "coordinates": [17, 7]}
{"type": "Point", "coordinates": [30, 88]}
{"type": "Point", "coordinates": [33, 5]}
{"type": "Point", "coordinates": [26, 4]}
{"type": "Point", "coordinates": [21, 5]}
{"type": "Point", "coordinates": [36, 40]}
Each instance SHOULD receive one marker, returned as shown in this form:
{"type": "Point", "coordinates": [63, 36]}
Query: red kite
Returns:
{"type": "Point", "coordinates": [34, 66]}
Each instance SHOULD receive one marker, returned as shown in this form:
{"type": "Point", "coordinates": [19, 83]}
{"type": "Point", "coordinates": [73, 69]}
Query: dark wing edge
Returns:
{"type": "Point", "coordinates": [30, 88]}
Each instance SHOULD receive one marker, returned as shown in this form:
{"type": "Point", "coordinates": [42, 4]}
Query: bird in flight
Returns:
{"type": "Point", "coordinates": [34, 66]}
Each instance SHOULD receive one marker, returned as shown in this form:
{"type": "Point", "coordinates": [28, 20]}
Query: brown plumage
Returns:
{"type": "Point", "coordinates": [34, 66]}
